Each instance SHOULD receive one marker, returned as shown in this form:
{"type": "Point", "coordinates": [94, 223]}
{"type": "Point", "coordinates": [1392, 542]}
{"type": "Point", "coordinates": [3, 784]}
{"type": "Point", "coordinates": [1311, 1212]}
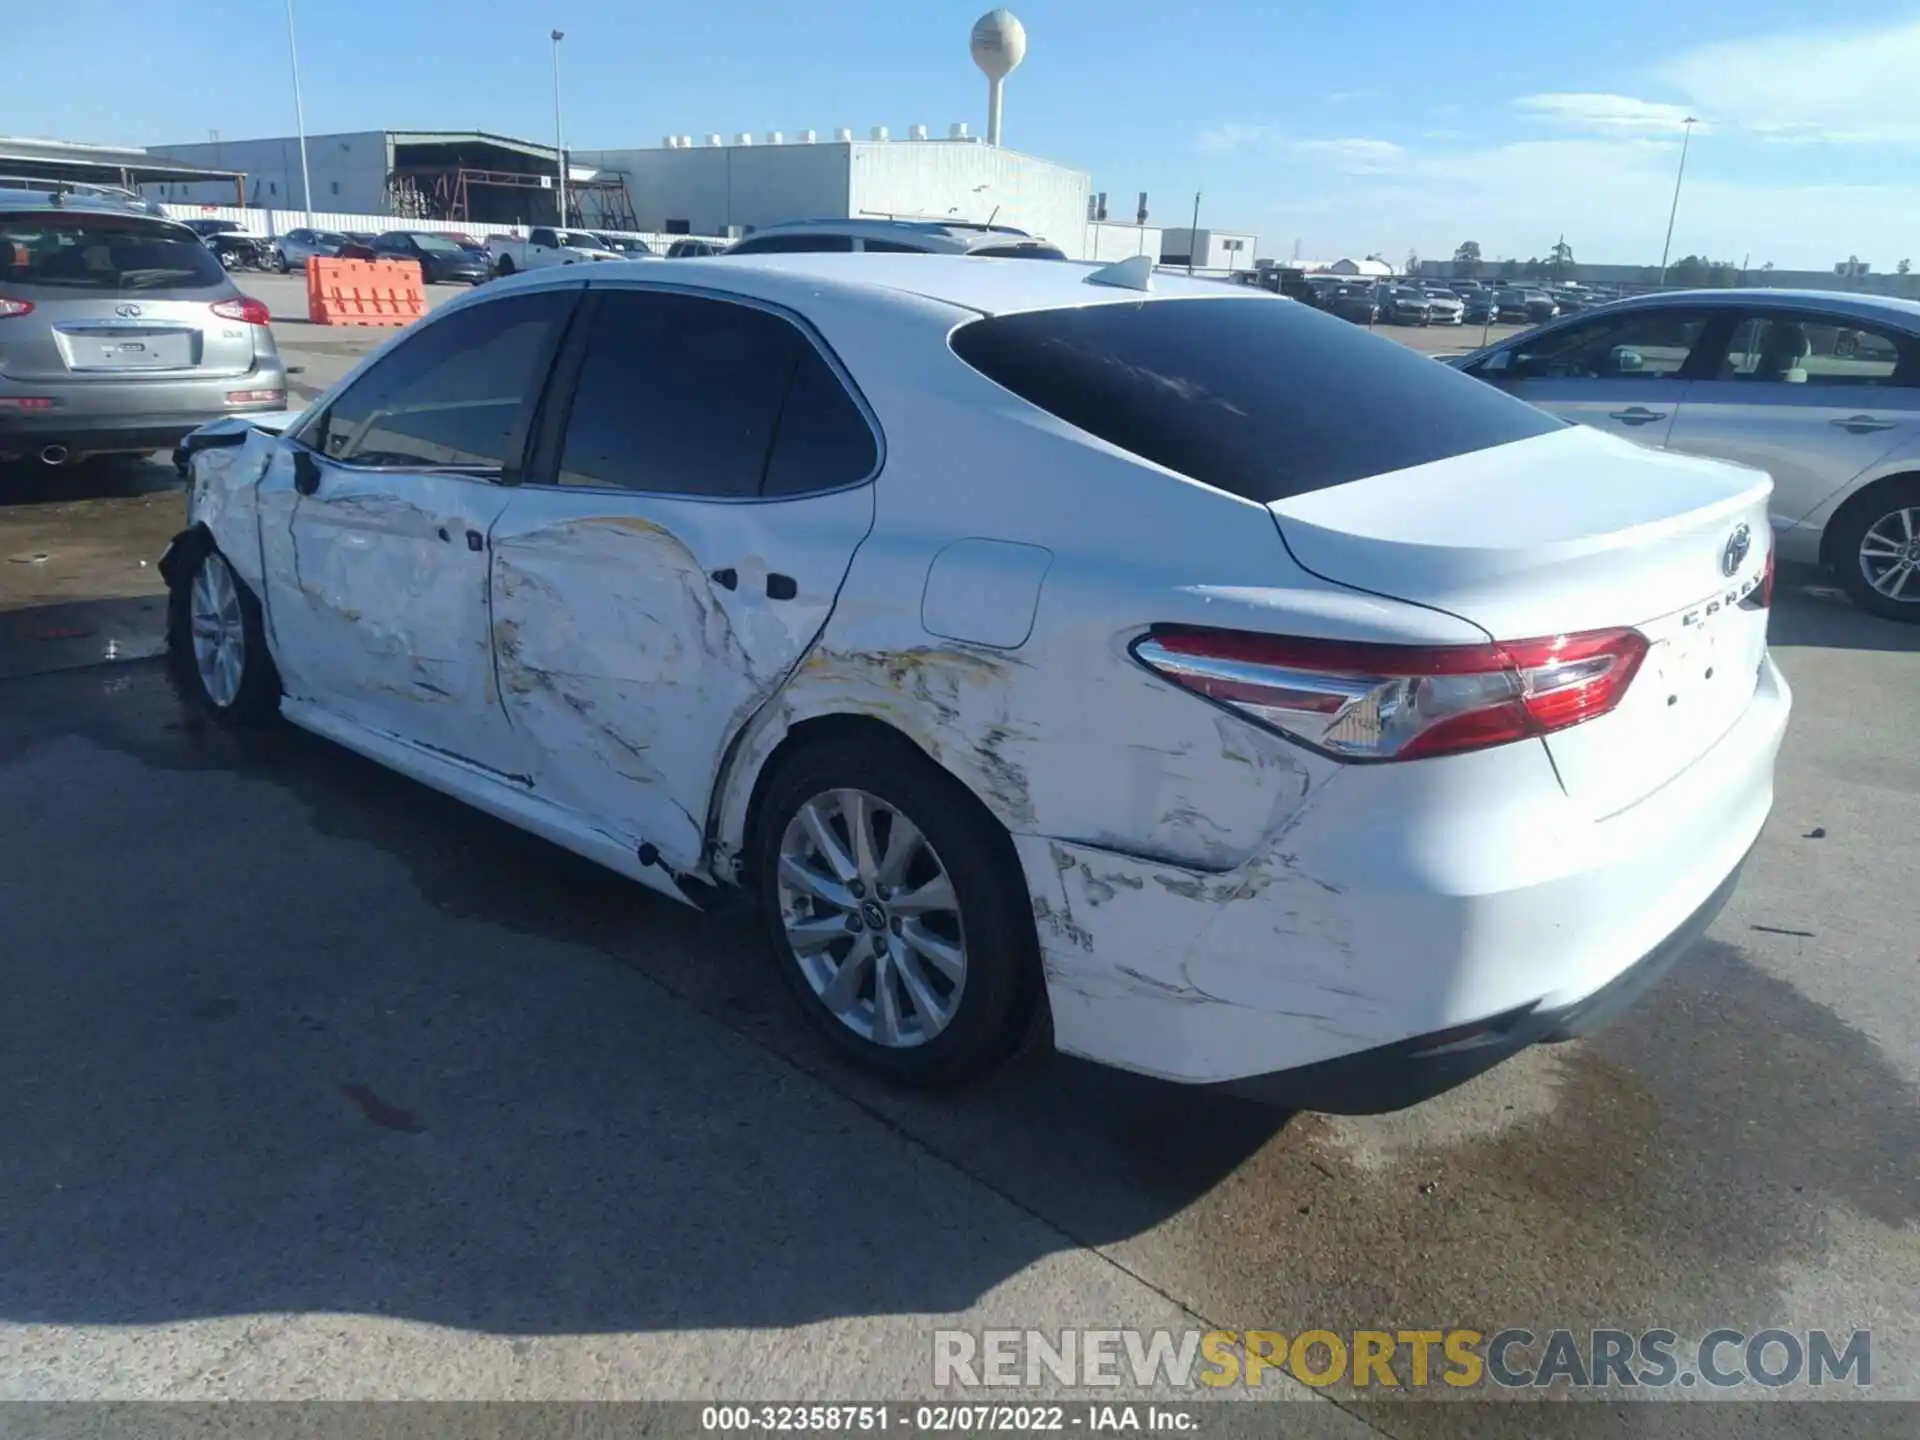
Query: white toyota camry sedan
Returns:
{"type": "Point", "coordinates": [1165, 668]}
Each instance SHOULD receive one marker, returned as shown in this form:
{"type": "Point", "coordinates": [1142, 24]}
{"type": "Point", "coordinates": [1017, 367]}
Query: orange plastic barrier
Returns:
{"type": "Point", "coordinates": [364, 292]}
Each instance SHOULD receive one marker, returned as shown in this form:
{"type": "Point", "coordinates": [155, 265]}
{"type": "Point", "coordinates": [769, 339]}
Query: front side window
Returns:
{"type": "Point", "coordinates": [891, 247]}
{"type": "Point", "coordinates": [453, 394]}
{"type": "Point", "coordinates": [543, 238]}
{"type": "Point", "coordinates": [1255, 396]}
{"type": "Point", "coordinates": [684, 395]}
{"type": "Point", "coordinates": [1794, 348]}
{"type": "Point", "coordinates": [44, 254]}
{"type": "Point", "coordinates": [1647, 345]}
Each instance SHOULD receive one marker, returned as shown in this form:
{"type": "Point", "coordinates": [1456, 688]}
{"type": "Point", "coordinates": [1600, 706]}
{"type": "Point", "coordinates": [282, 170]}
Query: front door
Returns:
{"type": "Point", "coordinates": [697, 494]}
{"type": "Point", "coordinates": [1625, 373]}
{"type": "Point", "coordinates": [1811, 398]}
{"type": "Point", "coordinates": [376, 520]}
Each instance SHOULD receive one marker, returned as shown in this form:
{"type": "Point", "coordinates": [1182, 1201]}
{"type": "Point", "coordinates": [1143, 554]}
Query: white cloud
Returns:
{"type": "Point", "coordinates": [1604, 114]}
{"type": "Point", "coordinates": [1609, 196]}
{"type": "Point", "coordinates": [1233, 135]}
{"type": "Point", "coordinates": [1357, 155]}
{"type": "Point", "coordinates": [1854, 86]}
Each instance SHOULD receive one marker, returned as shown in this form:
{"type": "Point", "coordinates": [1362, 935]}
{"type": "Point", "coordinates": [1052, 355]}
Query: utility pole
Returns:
{"type": "Point", "coordinates": [300, 119]}
{"type": "Point", "coordinates": [559, 136]}
{"type": "Point", "coordinates": [1686, 134]}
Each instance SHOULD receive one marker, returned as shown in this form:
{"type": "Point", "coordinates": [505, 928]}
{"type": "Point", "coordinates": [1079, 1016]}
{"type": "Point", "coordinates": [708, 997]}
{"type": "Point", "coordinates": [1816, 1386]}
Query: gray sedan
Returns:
{"type": "Point", "coordinates": [292, 250]}
{"type": "Point", "coordinates": [1820, 390]}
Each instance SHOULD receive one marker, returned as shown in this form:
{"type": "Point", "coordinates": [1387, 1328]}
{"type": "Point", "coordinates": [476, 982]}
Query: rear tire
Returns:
{"type": "Point", "coordinates": [505, 267]}
{"type": "Point", "coordinates": [219, 643]}
{"type": "Point", "coordinates": [1876, 538]}
{"type": "Point", "coordinates": [914, 951]}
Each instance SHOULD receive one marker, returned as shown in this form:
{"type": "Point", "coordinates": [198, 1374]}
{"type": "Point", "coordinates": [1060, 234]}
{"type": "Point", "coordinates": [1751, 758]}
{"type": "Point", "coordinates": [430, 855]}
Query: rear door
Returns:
{"type": "Point", "coordinates": [1814, 398]}
{"type": "Point", "coordinates": [115, 297]}
{"type": "Point", "coordinates": [701, 484]}
{"type": "Point", "coordinates": [1622, 373]}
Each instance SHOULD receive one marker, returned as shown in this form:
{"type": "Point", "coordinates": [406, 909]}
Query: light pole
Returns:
{"type": "Point", "coordinates": [559, 136]}
{"type": "Point", "coordinates": [299, 119]}
{"type": "Point", "coordinates": [1686, 134]}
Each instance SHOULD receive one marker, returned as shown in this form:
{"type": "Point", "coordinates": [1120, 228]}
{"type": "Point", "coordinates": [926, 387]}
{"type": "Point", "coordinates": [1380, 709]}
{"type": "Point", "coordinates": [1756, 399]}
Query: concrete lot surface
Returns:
{"type": "Point", "coordinates": [317, 1084]}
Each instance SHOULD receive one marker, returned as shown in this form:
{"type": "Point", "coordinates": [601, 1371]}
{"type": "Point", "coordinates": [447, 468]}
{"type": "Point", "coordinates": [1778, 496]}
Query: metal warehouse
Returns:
{"type": "Point", "coordinates": [711, 185]}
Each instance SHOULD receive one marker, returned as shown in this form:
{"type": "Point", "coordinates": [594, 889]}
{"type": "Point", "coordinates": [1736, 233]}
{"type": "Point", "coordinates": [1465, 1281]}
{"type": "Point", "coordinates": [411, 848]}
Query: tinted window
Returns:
{"type": "Point", "coordinates": [1798, 349]}
{"type": "Point", "coordinates": [892, 247]}
{"type": "Point", "coordinates": [541, 237]}
{"type": "Point", "coordinates": [791, 244]}
{"type": "Point", "coordinates": [1255, 396]}
{"type": "Point", "coordinates": [1648, 344]}
{"type": "Point", "coordinates": [452, 393]}
{"type": "Point", "coordinates": [682, 395]}
{"type": "Point", "coordinates": [823, 441]}
{"type": "Point", "coordinates": [1022, 252]}
{"type": "Point", "coordinates": [67, 252]}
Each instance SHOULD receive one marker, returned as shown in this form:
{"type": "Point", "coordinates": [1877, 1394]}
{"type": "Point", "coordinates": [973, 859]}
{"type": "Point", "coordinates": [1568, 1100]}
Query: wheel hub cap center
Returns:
{"type": "Point", "coordinates": [873, 915]}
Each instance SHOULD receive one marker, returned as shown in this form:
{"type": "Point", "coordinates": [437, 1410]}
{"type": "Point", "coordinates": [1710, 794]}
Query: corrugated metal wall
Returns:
{"type": "Point", "coordinates": [941, 179]}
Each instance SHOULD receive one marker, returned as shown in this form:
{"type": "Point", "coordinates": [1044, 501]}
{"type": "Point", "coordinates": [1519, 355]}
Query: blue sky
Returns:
{"type": "Point", "coordinates": [1345, 128]}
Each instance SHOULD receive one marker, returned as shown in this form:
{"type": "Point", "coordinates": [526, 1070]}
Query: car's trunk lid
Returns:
{"type": "Point", "coordinates": [1568, 532]}
{"type": "Point", "coordinates": [119, 338]}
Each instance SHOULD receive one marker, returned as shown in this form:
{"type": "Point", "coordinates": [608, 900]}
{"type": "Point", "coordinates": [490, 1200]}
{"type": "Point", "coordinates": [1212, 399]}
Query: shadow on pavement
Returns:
{"type": "Point", "coordinates": [287, 1033]}
{"type": "Point", "coordinates": [1829, 621]}
{"type": "Point", "coordinates": [105, 477]}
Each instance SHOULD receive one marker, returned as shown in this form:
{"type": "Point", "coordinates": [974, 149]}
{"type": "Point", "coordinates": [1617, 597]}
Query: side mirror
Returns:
{"type": "Point", "coordinates": [306, 472]}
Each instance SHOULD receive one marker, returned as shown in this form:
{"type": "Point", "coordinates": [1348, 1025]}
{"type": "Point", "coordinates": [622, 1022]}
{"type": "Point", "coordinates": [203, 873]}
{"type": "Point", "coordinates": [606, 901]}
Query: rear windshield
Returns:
{"type": "Point", "coordinates": [1255, 396]}
{"type": "Point", "coordinates": [68, 252]}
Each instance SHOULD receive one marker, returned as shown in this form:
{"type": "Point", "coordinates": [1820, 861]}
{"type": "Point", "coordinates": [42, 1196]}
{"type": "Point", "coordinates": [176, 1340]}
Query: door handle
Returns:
{"type": "Point", "coordinates": [1863, 424]}
{"type": "Point", "coordinates": [1636, 415]}
{"type": "Point", "coordinates": [442, 533]}
{"type": "Point", "coordinates": [728, 579]}
{"type": "Point", "coordinates": [476, 542]}
{"type": "Point", "coordinates": [782, 587]}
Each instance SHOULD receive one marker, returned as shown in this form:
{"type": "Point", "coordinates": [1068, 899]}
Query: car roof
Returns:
{"type": "Point", "coordinates": [13, 199]}
{"type": "Point", "coordinates": [1865, 307]}
{"type": "Point", "coordinates": [987, 286]}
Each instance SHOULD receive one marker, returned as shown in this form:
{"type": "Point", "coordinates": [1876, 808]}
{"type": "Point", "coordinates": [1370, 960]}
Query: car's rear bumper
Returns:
{"type": "Point", "coordinates": [102, 416]}
{"type": "Point", "coordinates": [1464, 898]}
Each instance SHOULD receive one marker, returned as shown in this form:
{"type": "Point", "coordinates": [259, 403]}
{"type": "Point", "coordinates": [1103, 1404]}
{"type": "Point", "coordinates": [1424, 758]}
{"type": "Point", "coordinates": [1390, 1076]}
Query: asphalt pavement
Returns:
{"type": "Point", "coordinates": [316, 1083]}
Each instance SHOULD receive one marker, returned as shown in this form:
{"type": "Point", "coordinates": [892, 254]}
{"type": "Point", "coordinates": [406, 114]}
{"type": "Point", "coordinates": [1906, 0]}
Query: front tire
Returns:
{"type": "Point", "coordinates": [897, 911]}
{"type": "Point", "coordinates": [219, 643]}
{"type": "Point", "coordinates": [1875, 547]}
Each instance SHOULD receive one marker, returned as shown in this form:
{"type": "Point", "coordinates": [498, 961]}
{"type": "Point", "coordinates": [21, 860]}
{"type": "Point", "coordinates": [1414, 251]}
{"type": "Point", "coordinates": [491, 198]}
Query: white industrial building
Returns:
{"type": "Point", "coordinates": [716, 185]}
{"type": "Point", "coordinates": [1208, 249]}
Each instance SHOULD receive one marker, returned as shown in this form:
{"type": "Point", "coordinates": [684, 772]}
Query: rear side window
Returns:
{"type": "Point", "coordinates": [60, 254]}
{"type": "Point", "coordinates": [891, 247]}
{"type": "Point", "coordinates": [1258, 397]}
{"type": "Point", "coordinates": [683, 395]}
{"type": "Point", "coordinates": [792, 244]}
{"type": "Point", "coordinates": [1021, 252]}
{"type": "Point", "coordinates": [452, 394]}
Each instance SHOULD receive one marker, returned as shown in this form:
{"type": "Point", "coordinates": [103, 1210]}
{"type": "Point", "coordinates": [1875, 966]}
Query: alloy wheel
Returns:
{"type": "Point", "coordinates": [1890, 555]}
{"type": "Point", "coordinates": [218, 630]}
{"type": "Point", "coordinates": [871, 918]}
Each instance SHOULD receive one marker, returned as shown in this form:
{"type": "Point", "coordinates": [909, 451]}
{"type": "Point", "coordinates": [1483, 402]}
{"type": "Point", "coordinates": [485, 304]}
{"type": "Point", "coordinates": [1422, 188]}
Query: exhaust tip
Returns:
{"type": "Point", "coordinates": [54, 455]}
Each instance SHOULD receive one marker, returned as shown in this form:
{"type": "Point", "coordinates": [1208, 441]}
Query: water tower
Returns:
{"type": "Point", "coordinates": [999, 45]}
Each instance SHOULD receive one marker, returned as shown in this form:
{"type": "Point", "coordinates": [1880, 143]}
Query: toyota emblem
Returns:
{"type": "Point", "coordinates": [131, 312]}
{"type": "Point", "coordinates": [1734, 555]}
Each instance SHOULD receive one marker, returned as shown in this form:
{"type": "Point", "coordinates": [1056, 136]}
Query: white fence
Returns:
{"type": "Point", "coordinates": [278, 222]}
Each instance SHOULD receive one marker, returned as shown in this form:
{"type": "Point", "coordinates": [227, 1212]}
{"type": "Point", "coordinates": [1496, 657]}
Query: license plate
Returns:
{"type": "Point", "coordinates": [146, 350]}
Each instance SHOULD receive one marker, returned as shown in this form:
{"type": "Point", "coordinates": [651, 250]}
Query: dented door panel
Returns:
{"type": "Point", "coordinates": [636, 634]}
{"type": "Point", "coordinates": [378, 601]}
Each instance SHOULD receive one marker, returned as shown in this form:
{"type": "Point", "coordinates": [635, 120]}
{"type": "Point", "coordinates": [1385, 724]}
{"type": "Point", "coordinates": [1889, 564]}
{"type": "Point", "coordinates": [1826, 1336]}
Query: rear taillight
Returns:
{"type": "Point", "coordinates": [1360, 701]}
{"type": "Point", "coordinates": [1761, 596]}
{"type": "Point", "coordinates": [10, 308]}
{"type": "Point", "coordinates": [245, 308]}
{"type": "Point", "coordinates": [26, 402]}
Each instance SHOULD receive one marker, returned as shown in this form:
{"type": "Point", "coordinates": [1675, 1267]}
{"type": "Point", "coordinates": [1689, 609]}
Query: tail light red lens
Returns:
{"type": "Point", "coordinates": [1401, 702]}
{"type": "Point", "coordinates": [1761, 596]}
{"type": "Point", "coordinates": [246, 308]}
{"type": "Point", "coordinates": [10, 308]}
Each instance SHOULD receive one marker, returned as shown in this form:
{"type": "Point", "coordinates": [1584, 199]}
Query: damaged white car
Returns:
{"type": "Point", "coordinates": [1240, 698]}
